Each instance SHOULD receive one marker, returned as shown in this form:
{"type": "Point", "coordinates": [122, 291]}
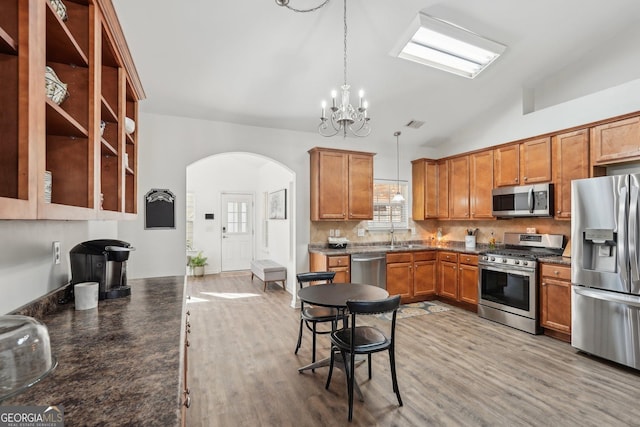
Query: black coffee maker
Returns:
{"type": "Point", "coordinates": [103, 261]}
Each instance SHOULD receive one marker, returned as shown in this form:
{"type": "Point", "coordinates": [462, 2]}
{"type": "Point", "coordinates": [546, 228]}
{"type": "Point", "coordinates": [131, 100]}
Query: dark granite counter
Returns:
{"type": "Point", "coordinates": [399, 247]}
{"type": "Point", "coordinates": [119, 364]}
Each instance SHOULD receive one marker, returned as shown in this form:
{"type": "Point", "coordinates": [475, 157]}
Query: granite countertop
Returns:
{"type": "Point", "coordinates": [556, 260]}
{"type": "Point", "coordinates": [411, 246]}
{"type": "Point", "coordinates": [119, 364]}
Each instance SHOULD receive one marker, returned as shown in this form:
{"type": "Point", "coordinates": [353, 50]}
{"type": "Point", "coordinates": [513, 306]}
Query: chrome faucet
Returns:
{"type": "Point", "coordinates": [393, 236]}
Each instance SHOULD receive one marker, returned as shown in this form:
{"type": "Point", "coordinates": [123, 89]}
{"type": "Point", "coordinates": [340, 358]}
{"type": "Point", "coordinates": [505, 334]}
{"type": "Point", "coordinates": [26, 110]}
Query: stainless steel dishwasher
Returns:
{"type": "Point", "coordinates": [369, 269]}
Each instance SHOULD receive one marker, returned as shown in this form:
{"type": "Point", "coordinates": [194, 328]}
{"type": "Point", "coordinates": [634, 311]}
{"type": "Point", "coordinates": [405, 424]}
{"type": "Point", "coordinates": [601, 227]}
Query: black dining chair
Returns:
{"type": "Point", "coordinates": [356, 339]}
{"type": "Point", "coordinates": [312, 315]}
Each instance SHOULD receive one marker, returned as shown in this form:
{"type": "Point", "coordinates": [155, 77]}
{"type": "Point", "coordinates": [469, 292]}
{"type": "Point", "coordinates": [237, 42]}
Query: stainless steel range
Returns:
{"type": "Point", "coordinates": [508, 279]}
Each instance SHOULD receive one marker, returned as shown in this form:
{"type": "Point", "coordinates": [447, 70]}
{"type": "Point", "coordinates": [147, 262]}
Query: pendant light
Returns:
{"type": "Point", "coordinates": [398, 198]}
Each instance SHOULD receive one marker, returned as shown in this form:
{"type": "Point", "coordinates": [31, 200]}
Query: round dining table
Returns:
{"type": "Point", "coordinates": [336, 295]}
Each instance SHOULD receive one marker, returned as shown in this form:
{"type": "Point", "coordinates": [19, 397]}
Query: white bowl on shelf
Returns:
{"type": "Point", "coordinates": [129, 125]}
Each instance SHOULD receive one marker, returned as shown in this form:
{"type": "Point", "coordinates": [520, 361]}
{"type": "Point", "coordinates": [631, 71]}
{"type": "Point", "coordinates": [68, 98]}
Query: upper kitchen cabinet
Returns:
{"type": "Point", "coordinates": [570, 161]}
{"type": "Point", "coordinates": [615, 142]}
{"type": "Point", "coordinates": [17, 160]}
{"type": "Point", "coordinates": [52, 58]}
{"type": "Point", "coordinates": [459, 187]}
{"type": "Point", "coordinates": [481, 183]}
{"type": "Point", "coordinates": [424, 186]}
{"type": "Point", "coordinates": [528, 162]}
{"type": "Point", "coordinates": [341, 185]}
{"type": "Point", "coordinates": [443, 189]}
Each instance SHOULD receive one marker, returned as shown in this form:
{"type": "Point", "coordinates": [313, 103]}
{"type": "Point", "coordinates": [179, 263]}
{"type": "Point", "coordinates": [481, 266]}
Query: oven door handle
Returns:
{"type": "Point", "coordinates": [508, 270]}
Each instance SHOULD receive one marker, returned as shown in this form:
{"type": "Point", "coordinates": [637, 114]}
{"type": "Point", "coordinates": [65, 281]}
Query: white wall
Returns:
{"type": "Point", "coordinates": [510, 124]}
{"type": "Point", "coordinates": [27, 270]}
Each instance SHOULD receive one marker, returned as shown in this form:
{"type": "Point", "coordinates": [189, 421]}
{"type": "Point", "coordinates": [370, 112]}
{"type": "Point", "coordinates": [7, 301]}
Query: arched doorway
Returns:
{"type": "Point", "coordinates": [210, 180]}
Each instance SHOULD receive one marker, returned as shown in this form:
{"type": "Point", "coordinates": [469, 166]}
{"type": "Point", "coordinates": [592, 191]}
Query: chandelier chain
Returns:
{"type": "Point", "coordinates": [313, 9]}
{"type": "Point", "coordinates": [345, 42]}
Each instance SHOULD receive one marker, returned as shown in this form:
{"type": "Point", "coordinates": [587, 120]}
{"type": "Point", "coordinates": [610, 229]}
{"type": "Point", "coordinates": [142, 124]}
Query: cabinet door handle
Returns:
{"type": "Point", "coordinates": [544, 283]}
{"type": "Point", "coordinates": [556, 272]}
{"type": "Point", "coordinates": [525, 178]}
{"type": "Point", "coordinates": [516, 179]}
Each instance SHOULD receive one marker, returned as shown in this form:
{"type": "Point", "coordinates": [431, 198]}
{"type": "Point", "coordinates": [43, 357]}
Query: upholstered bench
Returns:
{"type": "Point", "coordinates": [268, 271]}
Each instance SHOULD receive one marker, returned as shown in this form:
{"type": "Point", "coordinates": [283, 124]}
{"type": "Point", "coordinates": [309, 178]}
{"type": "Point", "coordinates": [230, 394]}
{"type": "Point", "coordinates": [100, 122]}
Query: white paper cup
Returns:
{"type": "Point", "coordinates": [86, 295]}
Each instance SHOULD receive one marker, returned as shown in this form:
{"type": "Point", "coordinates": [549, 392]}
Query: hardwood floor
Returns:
{"type": "Point", "coordinates": [454, 368]}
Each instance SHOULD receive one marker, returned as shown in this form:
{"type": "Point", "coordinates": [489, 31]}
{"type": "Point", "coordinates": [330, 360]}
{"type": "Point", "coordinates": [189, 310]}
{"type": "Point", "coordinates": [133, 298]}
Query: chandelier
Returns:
{"type": "Point", "coordinates": [343, 117]}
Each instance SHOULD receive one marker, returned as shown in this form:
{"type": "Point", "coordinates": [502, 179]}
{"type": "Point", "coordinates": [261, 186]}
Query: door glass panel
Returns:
{"type": "Point", "coordinates": [506, 288]}
{"type": "Point", "coordinates": [236, 217]}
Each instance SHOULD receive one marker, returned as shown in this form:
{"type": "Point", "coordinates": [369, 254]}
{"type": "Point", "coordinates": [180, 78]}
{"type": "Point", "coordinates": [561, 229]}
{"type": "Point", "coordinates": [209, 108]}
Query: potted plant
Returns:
{"type": "Point", "coordinates": [197, 264]}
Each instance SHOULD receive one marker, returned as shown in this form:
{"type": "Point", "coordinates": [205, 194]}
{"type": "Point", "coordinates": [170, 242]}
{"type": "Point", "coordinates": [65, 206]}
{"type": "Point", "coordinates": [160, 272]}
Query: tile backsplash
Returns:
{"type": "Point", "coordinates": [451, 230]}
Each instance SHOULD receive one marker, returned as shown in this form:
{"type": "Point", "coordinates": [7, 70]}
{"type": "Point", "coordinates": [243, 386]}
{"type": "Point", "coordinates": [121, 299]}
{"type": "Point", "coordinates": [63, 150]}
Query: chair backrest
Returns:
{"type": "Point", "coordinates": [374, 307]}
{"type": "Point", "coordinates": [315, 276]}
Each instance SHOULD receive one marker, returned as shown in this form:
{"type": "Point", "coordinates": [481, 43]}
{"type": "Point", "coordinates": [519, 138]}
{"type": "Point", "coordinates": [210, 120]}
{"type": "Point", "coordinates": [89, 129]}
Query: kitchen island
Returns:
{"type": "Point", "coordinates": [120, 364]}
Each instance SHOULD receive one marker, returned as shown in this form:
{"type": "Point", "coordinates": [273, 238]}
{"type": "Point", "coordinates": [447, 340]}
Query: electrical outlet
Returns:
{"type": "Point", "coordinates": [360, 232]}
{"type": "Point", "coordinates": [413, 231]}
{"type": "Point", "coordinates": [56, 252]}
{"type": "Point", "coordinates": [331, 233]}
{"type": "Point", "coordinates": [337, 232]}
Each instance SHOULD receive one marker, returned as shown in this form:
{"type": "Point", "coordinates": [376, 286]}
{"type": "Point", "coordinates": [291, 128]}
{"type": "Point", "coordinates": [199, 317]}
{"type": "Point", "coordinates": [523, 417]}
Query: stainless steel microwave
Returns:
{"type": "Point", "coordinates": [523, 201]}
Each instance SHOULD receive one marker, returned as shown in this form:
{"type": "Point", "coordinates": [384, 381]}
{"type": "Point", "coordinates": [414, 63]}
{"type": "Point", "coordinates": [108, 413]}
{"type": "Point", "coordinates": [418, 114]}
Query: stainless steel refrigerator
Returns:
{"type": "Point", "coordinates": [605, 273]}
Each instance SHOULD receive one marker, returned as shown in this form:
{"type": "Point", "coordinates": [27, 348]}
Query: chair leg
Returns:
{"type": "Point", "coordinates": [330, 368]}
{"type": "Point", "coordinates": [313, 355]}
{"type": "Point", "coordinates": [394, 379]}
{"type": "Point", "coordinates": [299, 337]}
{"type": "Point", "coordinates": [351, 379]}
{"type": "Point", "coordinates": [369, 364]}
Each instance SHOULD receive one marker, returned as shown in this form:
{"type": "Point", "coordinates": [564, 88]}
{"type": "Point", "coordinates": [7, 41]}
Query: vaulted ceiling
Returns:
{"type": "Point", "coordinates": [253, 62]}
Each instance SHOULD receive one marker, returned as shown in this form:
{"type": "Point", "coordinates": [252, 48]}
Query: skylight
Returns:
{"type": "Point", "coordinates": [439, 44]}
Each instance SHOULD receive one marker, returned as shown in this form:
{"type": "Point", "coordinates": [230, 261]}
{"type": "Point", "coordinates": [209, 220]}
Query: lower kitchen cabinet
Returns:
{"type": "Point", "coordinates": [412, 275]}
{"type": "Point", "coordinates": [458, 277]}
{"type": "Point", "coordinates": [555, 300]}
{"type": "Point", "coordinates": [468, 278]}
{"type": "Point", "coordinates": [186, 392]}
{"type": "Point", "coordinates": [341, 264]}
{"type": "Point", "coordinates": [448, 274]}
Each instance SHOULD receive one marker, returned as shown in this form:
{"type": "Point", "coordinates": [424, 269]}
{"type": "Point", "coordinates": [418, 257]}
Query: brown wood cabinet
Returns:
{"type": "Point", "coordinates": [341, 185]}
{"type": "Point", "coordinates": [458, 276]}
{"type": "Point", "coordinates": [481, 184]}
{"type": "Point", "coordinates": [412, 275]}
{"type": "Point", "coordinates": [90, 178]}
{"type": "Point", "coordinates": [443, 189]}
{"type": "Point", "coordinates": [459, 187]}
{"type": "Point", "coordinates": [468, 278]}
{"type": "Point", "coordinates": [448, 275]}
{"type": "Point", "coordinates": [570, 161]}
{"type": "Point", "coordinates": [616, 141]}
{"type": "Point", "coordinates": [555, 299]}
{"type": "Point", "coordinates": [341, 264]}
{"type": "Point", "coordinates": [506, 165]}
{"type": "Point", "coordinates": [535, 161]}
{"type": "Point", "coordinates": [523, 163]}
{"type": "Point", "coordinates": [424, 187]}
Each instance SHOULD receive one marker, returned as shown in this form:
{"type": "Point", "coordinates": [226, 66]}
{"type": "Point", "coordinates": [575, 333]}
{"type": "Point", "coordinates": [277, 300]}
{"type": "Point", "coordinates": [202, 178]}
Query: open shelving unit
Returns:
{"type": "Point", "coordinates": [88, 52]}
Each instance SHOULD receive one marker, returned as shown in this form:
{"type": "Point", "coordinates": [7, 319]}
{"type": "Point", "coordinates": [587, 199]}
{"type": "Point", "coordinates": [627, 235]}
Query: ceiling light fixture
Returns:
{"type": "Point", "coordinates": [398, 198]}
{"type": "Point", "coordinates": [436, 43]}
{"type": "Point", "coordinates": [343, 117]}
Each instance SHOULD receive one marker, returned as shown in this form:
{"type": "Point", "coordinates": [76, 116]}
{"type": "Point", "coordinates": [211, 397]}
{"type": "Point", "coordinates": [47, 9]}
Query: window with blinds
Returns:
{"type": "Point", "coordinates": [386, 213]}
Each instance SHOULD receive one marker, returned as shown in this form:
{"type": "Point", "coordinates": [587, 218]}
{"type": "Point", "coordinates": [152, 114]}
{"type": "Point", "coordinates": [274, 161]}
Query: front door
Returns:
{"type": "Point", "coordinates": [237, 232]}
